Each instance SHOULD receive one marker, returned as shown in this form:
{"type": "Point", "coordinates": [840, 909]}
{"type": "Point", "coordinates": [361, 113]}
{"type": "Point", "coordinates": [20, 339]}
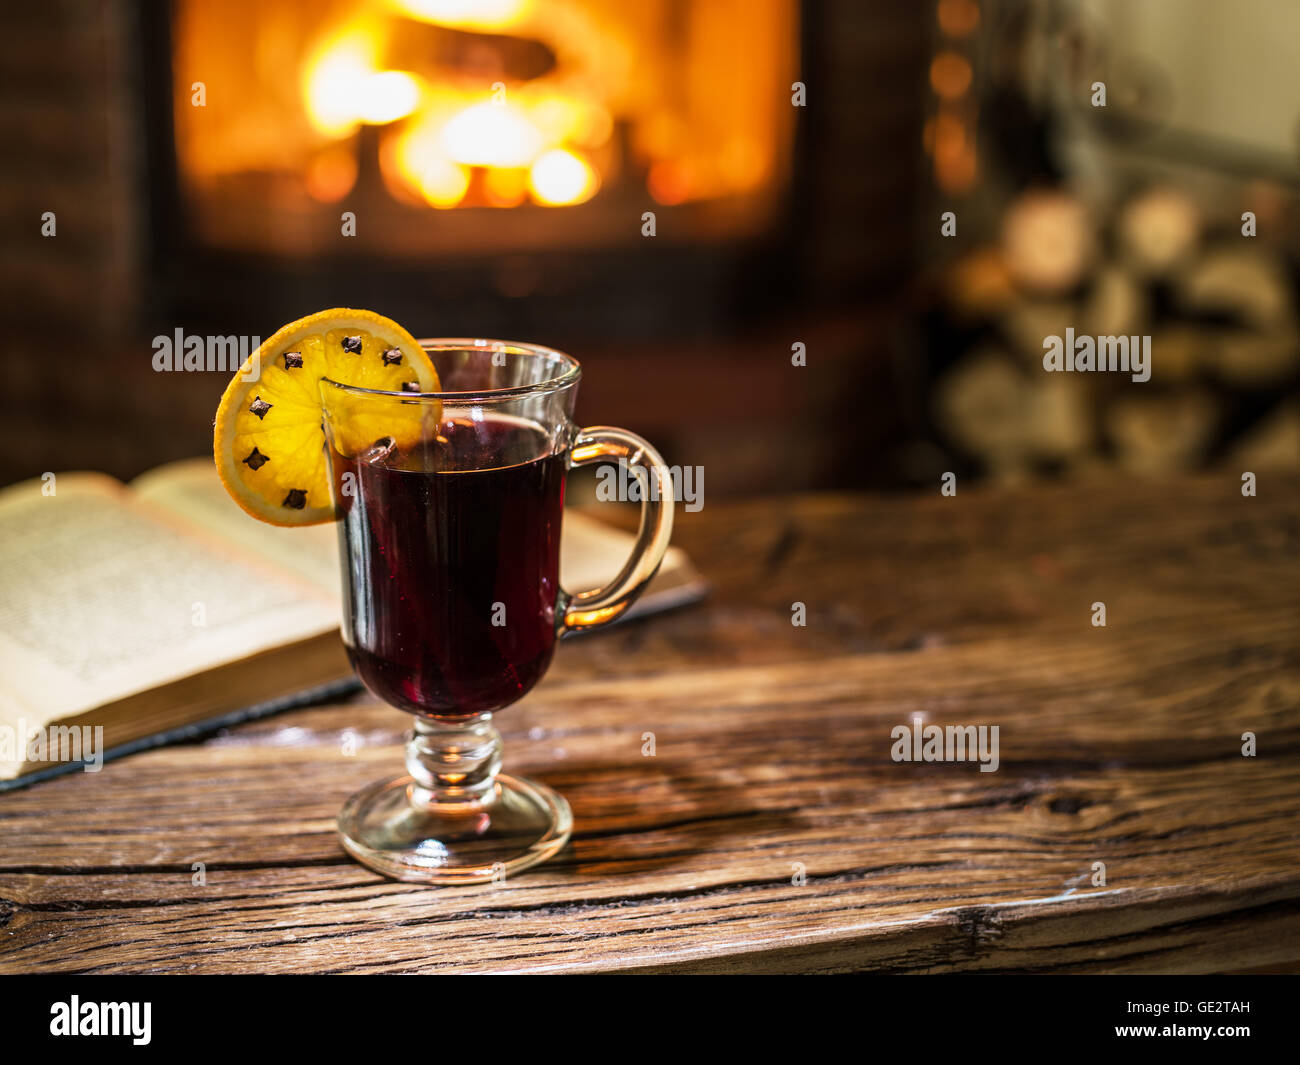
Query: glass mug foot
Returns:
{"type": "Point", "coordinates": [454, 819]}
{"type": "Point", "coordinates": [526, 823]}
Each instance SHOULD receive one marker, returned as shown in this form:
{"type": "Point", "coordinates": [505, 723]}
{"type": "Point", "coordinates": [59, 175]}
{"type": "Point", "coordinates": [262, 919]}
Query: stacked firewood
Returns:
{"type": "Point", "coordinates": [1218, 305]}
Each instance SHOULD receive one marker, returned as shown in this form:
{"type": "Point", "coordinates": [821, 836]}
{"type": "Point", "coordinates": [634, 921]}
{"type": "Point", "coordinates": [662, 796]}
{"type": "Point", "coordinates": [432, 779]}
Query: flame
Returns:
{"type": "Point", "coordinates": [549, 139]}
{"type": "Point", "coordinates": [525, 145]}
{"type": "Point", "coordinates": [492, 134]}
{"type": "Point", "coordinates": [387, 96]}
{"type": "Point", "coordinates": [418, 162]}
{"type": "Point", "coordinates": [334, 79]}
{"type": "Point", "coordinates": [559, 178]}
{"type": "Point", "coordinates": [528, 142]}
{"type": "Point", "coordinates": [506, 186]}
{"type": "Point", "coordinates": [563, 117]}
{"type": "Point", "coordinates": [343, 86]}
{"type": "Point", "coordinates": [442, 183]}
{"type": "Point", "coordinates": [485, 15]}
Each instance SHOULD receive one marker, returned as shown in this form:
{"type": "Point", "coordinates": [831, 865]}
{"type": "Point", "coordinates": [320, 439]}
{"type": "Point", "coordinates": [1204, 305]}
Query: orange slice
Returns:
{"type": "Point", "coordinates": [269, 435]}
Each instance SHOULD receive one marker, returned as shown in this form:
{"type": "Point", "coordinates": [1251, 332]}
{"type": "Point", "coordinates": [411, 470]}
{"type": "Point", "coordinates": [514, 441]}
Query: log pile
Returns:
{"type": "Point", "coordinates": [1220, 308]}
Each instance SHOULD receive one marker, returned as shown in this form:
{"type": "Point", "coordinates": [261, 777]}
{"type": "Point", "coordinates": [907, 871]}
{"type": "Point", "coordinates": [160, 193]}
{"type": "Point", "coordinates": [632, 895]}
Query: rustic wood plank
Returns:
{"type": "Point", "coordinates": [1119, 745]}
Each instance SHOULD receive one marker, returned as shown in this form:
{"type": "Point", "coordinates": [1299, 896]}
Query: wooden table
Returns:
{"type": "Point", "coordinates": [1118, 745]}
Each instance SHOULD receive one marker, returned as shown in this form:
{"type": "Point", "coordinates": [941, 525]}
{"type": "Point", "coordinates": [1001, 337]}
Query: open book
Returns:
{"type": "Point", "coordinates": [160, 611]}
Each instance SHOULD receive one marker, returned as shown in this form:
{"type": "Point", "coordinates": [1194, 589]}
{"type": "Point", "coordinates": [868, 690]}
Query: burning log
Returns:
{"type": "Point", "coordinates": [428, 49]}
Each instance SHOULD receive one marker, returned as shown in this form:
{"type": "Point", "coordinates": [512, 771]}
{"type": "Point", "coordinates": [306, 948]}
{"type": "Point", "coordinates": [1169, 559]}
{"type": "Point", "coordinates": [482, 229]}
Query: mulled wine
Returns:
{"type": "Point", "coordinates": [451, 554]}
{"type": "Point", "coordinates": [449, 506]}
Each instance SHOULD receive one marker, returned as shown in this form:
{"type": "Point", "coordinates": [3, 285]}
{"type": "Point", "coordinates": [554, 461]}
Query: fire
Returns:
{"type": "Point", "coordinates": [343, 86]}
{"type": "Point", "coordinates": [441, 182]}
{"type": "Point", "coordinates": [486, 103]}
{"type": "Point", "coordinates": [387, 96]}
{"type": "Point", "coordinates": [527, 145]}
{"type": "Point", "coordinates": [491, 134]}
{"type": "Point", "coordinates": [486, 15]}
{"type": "Point", "coordinates": [335, 77]}
{"type": "Point", "coordinates": [418, 164]}
{"type": "Point", "coordinates": [559, 177]}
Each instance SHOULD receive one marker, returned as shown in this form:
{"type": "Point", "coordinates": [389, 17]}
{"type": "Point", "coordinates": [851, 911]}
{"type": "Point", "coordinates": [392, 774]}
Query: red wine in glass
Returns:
{"type": "Point", "coordinates": [452, 603]}
{"type": "Point", "coordinates": [451, 555]}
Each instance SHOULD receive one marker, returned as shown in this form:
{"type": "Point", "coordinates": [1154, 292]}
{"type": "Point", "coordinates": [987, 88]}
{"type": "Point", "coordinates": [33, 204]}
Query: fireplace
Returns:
{"type": "Point", "coordinates": [221, 213]}
{"type": "Point", "coordinates": [426, 155]}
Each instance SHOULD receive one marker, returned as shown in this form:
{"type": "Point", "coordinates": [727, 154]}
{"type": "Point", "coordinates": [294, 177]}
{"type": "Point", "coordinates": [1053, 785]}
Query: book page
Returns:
{"type": "Point", "coordinates": [102, 597]}
{"type": "Point", "coordinates": [592, 553]}
{"type": "Point", "coordinates": [192, 491]}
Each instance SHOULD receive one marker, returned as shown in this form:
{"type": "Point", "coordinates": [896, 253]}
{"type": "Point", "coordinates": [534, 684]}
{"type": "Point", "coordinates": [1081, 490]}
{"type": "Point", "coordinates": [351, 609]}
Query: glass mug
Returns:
{"type": "Point", "coordinates": [450, 507]}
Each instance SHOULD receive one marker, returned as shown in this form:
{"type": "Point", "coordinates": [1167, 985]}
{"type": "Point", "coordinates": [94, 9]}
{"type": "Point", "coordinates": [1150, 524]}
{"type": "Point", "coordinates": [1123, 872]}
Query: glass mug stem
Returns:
{"type": "Point", "coordinates": [453, 762]}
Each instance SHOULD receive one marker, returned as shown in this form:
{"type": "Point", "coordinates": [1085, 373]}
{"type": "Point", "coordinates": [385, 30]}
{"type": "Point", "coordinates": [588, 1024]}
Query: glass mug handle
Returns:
{"type": "Point", "coordinates": [600, 606]}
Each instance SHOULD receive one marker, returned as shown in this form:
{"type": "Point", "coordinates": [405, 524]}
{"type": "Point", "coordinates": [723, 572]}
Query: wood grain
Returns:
{"type": "Point", "coordinates": [1119, 745]}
